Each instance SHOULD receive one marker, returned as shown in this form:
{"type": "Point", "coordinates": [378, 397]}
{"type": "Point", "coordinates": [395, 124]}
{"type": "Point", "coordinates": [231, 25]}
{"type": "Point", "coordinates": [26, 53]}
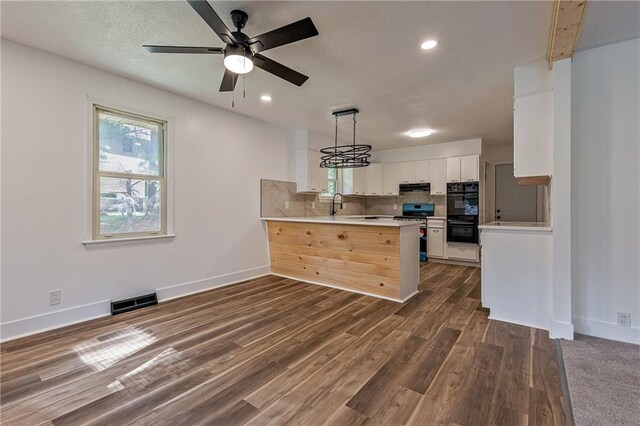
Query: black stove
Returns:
{"type": "Point", "coordinates": [416, 211]}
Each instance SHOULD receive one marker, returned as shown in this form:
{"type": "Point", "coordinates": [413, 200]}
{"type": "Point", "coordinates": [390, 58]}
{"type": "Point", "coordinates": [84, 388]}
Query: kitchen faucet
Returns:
{"type": "Point", "coordinates": [333, 203]}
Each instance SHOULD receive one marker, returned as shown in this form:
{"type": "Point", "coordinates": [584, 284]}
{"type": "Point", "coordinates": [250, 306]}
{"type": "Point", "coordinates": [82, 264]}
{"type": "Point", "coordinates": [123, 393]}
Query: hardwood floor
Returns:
{"type": "Point", "coordinates": [276, 351]}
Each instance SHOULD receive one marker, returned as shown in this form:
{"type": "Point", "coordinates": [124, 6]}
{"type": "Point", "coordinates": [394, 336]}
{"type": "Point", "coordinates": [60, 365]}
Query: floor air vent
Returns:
{"type": "Point", "coordinates": [134, 303]}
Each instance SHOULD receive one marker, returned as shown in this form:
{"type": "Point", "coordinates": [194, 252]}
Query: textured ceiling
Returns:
{"type": "Point", "coordinates": [609, 22]}
{"type": "Point", "coordinates": [367, 55]}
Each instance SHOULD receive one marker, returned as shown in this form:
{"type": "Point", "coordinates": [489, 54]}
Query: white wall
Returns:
{"type": "Point", "coordinates": [219, 158]}
{"type": "Point", "coordinates": [561, 324]}
{"type": "Point", "coordinates": [606, 189]}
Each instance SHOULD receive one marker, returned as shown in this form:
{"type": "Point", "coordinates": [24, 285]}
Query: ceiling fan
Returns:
{"type": "Point", "coordinates": [241, 52]}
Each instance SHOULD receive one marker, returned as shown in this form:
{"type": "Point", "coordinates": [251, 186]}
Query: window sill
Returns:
{"type": "Point", "coordinates": [131, 240]}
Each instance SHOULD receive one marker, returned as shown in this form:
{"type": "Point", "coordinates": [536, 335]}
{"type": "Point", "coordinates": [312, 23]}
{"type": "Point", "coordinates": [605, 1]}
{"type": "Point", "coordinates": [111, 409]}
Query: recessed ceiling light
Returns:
{"type": "Point", "coordinates": [420, 133]}
{"type": "Point", "coordinates": [265, 98]}
{"type": "Point", "coordinates": [429, 44]}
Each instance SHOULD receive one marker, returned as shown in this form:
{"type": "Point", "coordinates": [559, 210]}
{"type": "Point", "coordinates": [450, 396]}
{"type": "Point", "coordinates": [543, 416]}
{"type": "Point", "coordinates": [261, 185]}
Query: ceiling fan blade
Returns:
{"type": "Point", "coordinates": [183, 49]}
{"type": "Point", "coordinates": [291, 33]}
{"type": "Point", "coordinates": [279, 70]}
{"type": "Point", "coordinates": [209, 15]}
{"type": "Point", "coordinates": [229, 81]}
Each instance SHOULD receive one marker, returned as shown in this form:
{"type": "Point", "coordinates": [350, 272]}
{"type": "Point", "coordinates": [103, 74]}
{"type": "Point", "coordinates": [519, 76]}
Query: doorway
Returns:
{"type": "Point", "coordinates": [514, 203]}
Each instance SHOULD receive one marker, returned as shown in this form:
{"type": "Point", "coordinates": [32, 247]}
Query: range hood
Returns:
{"type": "Point", "coordinates": [411, 187]}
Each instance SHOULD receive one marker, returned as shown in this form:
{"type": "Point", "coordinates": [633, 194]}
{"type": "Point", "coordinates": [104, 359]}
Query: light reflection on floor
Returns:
{"type": "Point", "coordinates": [103, 354]}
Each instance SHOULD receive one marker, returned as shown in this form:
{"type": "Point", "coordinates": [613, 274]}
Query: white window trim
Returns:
{"type": "Point", "coordinates": [88, 178]}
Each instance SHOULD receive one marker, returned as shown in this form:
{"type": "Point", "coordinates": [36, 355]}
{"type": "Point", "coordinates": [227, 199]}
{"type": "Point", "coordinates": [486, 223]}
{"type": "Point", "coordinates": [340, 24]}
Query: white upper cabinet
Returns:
{"type": "Point", "coordinates": [374, 179]}
{"type": "Point", "coordinates": [307, 170]}
{"type": "Point", "coordinates": [533, 120]}
{"type": "Point", "coordinates": [354, 181]}
{"type": "Point", "coordinates": [463, 169]}
{"type": "Point", "coordinates": [422, 171]}
{"type": "Point", "coordinates": [390, 176]}
{"type": "Point", "coordinates": [533, 135]}
{"type": "Point", "coordinates": [414, 172]}
{"type": "Point", "coordinates": [438, 176]}
{"type": "Point", "coordinates": [360, 181]}
{"type": "Point", "coordinates": [470, 168]}
{"type": "Point", "coordinates": [407, 172]}
{"type": "Point", "coordinates": [323, 178]}
{"type": "Point", "coordinates": [309, 176]}
{"type": "Point", "coordinates": [453, 169]}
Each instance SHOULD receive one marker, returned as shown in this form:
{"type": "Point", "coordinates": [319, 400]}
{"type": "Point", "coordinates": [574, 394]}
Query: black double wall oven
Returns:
{"type": "Point", "coordinates": [462, 212]}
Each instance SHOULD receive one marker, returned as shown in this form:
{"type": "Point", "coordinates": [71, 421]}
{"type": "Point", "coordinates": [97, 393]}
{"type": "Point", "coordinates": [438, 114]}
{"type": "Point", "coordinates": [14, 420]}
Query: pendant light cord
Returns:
{"type": "Point", "coordinates": [335, 142]}
{"type": "Point", "coordinates": [354, 137]}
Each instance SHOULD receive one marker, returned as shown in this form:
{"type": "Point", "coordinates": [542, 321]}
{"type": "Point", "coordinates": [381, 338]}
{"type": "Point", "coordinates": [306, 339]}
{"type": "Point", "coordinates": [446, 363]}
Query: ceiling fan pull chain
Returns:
{"type": "Point", "coordinates": [244, 87]}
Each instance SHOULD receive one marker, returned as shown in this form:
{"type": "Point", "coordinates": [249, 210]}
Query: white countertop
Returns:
{"type": "Point", "coordinates": [437, 217]}
{"type": "Point", "coordinates": [516, 226]}
{"type": "Point", "coordinates": [381, 220]}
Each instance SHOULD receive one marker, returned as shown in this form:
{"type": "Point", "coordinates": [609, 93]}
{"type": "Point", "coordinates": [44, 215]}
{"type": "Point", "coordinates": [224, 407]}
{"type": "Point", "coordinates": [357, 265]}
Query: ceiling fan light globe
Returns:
{"type": "Point", "coordinates": [238, 64]}
{"type": "Point", "coordinates": [420, 133]}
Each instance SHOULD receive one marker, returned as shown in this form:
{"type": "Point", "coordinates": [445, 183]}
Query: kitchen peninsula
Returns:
{"type": "Point", "coordinates": [377, 256]}
{"type": "Point", "coordinates": [516, 272]}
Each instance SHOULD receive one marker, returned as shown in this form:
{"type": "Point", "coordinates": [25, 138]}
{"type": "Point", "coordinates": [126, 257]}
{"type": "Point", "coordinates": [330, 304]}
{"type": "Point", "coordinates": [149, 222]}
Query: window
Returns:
{"type": "Point", "coordinates": [333, 183]}
{"type": "Point", "coordinates": [129, 175]}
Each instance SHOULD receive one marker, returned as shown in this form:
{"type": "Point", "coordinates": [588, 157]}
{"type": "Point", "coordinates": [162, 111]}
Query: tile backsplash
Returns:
{"type": "Point", "coordinates": [275, 195]}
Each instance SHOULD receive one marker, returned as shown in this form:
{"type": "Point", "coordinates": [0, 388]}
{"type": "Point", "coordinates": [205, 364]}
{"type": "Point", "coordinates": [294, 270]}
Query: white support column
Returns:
{"type": "Point", "coordinates": [561, 325]}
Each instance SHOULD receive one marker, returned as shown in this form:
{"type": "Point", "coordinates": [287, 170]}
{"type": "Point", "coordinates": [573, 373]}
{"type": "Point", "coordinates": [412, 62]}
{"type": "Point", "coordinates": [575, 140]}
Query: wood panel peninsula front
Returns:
{"type": "Point", "coordinates": [378, 257]}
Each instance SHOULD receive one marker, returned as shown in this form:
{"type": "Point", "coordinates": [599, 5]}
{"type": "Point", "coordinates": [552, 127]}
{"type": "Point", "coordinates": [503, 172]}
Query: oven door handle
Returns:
{"type": "Point", "coordinates": [460, 222]}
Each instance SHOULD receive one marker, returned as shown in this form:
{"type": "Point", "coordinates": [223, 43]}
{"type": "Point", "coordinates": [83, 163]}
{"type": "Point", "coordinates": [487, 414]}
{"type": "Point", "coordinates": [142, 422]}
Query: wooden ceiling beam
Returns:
{"type": "Point", "coordinates": [566, 21]}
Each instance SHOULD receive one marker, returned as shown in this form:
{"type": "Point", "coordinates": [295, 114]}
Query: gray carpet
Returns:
{"type": "Point", "coordinates": [604, 381]}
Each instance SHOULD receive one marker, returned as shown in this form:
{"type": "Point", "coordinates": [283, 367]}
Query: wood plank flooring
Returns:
{"type": "Point", "coordinates": [278, 351]}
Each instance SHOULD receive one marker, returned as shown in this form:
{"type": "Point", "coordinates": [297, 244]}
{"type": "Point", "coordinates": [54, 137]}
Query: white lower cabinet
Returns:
{"type": "Point", "coordinates": [463, 251]}
{"type": "Point", "coordinates": [435, 238]}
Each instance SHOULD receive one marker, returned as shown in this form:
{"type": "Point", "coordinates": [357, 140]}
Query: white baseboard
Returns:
{"type": "Point", "coordinates": [524, 323]}
{"type": "Point", "coordinates": [561, 330]}
{"type": "Point", "coordinates": [185, 289]}
{"type": "Point", "coordinates": [453, 262]}
{"type": "Point", "coordinates": [44, 322]}
{"type": "Point", "coordinates": [606, 330]}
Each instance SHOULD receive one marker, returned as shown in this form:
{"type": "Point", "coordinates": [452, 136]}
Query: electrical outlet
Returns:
{"type": "Point", "coordinates": [395, 207]}
{"type": "Point", "coordinates": [286, 205]}
{"type": "Point", "coordinates": [624, 319]}
{"type": "Point", "coordinates": [55, 297]}
{"type": "Point", "coordinates": [313, 205]}
{"type": "Point", "coordinates": [344, 205]}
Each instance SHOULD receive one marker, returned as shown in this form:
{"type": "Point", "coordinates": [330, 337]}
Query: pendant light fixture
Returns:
{"type": "Point", "coordinates": [345, 156]}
